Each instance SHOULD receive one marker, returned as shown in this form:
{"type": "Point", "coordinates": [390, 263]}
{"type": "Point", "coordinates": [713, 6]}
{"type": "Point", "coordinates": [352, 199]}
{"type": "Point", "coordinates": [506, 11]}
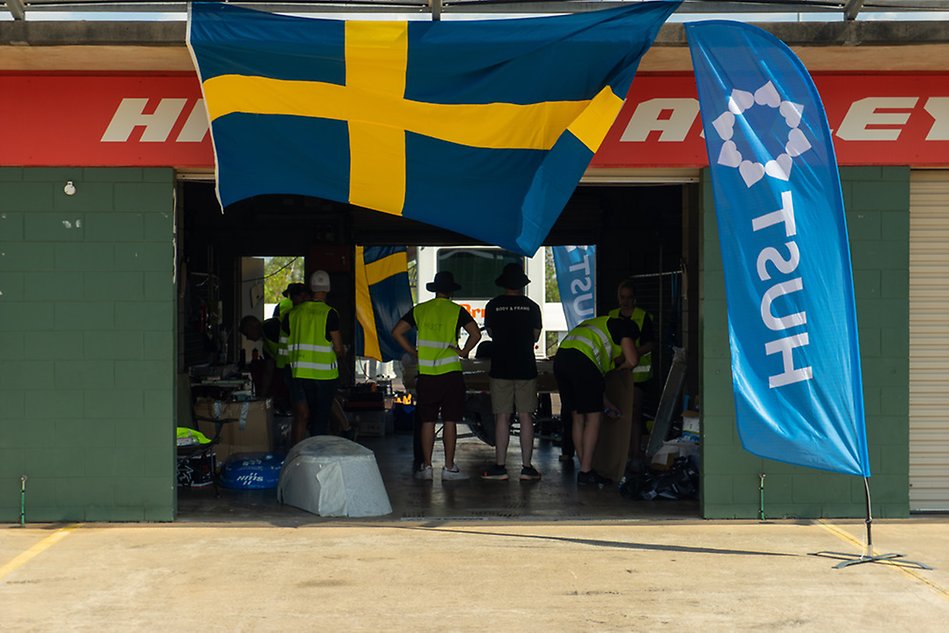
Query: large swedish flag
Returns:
{"type": "Point", "coordinates": [481, 127]}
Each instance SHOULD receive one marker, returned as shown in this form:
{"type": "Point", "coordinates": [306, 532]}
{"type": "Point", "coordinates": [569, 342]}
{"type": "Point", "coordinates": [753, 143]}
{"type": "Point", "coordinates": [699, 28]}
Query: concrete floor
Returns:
{"type": "Point", "coordinates": [555, 497]}
{"type": "Point", "coordinates": [469, 556]}
{"type": "Point", "coordinates": [450, 575]}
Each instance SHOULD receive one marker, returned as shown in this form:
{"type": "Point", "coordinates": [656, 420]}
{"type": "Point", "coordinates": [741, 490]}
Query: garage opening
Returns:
{"type": "Point", "coordinates": [647, 233]}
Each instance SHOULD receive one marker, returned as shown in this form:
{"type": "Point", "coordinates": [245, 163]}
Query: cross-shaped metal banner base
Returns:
{"type": "Point", "coordinates": [857, 559]}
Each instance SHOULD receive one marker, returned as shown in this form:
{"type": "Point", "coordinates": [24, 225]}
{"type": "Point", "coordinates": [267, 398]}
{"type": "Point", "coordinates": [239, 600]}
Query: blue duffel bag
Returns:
{"type": "Point", "coordinates": [251, 471]}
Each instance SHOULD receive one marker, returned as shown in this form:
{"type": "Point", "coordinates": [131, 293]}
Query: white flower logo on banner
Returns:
{"type": "Point", "coordinates": [778, 167]}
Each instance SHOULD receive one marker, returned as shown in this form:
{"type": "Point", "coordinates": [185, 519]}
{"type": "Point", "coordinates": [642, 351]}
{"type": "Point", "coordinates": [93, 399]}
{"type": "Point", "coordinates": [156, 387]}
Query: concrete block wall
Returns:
{"type": "Point", "coordinates": [87, 322]}
{"type": "Point", "coordinates": [877, 204]}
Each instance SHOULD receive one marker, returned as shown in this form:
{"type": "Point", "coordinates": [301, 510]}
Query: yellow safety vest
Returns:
{"type": "Point", "coordinates": [283, 345]}
{"type": "Point", "coordinates": [190, 437]}
{"type": "Point", "coordinates": [437, 323]}
{"type": "Point", "coordinates": [271, 347]}
{"type": "Point", "coordinates": [643, 371]}
{"type": "Point", "coordinates": [310, 353]}
{"type": "Point", "coordinates": [283, 307]}
{"type": "Point", "coordinates": [592, 338]}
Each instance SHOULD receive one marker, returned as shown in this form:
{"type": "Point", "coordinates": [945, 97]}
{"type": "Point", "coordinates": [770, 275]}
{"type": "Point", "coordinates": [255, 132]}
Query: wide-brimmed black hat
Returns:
{"type": "Point", "coordinates": [512, 277]}
{"type": "Point", "coordinates": [444, 282]}
{"type": "Point", "coordinates": [293, 289]}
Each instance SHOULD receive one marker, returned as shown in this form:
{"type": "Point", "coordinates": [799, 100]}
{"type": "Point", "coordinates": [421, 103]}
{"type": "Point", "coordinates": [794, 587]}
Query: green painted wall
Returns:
{"type": "Point", "coordinates": [877, 203]}
{"type": "Point", "coordinates": [87, 321]}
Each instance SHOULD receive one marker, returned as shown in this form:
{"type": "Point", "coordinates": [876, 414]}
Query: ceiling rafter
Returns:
{"type": "Point", "coordinates": [16, 8]}
{"type": "Point", "coordinates": [852, 9]}
{"type": "Point", "coordinates": [849, 9]}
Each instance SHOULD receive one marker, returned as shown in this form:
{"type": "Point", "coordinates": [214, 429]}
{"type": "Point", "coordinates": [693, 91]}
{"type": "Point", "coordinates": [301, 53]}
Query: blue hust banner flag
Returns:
{"type": "Point", "coordinates": [576, 280]}
{"type": "Point", "coordinates": [383, 297]}
{"type": "Point", "coordinates": [788, 279]}
{"type": "Point", "coordinates": [482, 127]}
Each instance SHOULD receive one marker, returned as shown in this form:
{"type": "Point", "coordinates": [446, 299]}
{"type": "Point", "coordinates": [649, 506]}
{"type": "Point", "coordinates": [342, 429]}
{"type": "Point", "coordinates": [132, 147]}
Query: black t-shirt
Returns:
{"type": "Point", "coordinates": [645, 335]}
{"type": "Point", "coordinates": [511, 321]}
{"type": "Point", "coordinates": [622, 328]}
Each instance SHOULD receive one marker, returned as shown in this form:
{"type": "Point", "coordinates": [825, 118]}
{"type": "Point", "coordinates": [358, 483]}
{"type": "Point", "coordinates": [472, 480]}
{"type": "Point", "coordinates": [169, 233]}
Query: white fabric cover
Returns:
{"type": "Point", "coordinates": [333, 477]}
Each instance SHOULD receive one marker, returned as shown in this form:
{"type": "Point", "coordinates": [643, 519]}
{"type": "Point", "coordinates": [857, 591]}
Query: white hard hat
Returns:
{"type": "Point", "coordinates": [320, 281]}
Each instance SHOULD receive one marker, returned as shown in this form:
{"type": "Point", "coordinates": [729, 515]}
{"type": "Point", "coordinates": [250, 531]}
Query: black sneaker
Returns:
{"type": "Point", "coordinates": [593, 478]}
{"type": "Point", "coordinates": [529, 473]}
{"type": "Point", "coordinates": [496, 472]}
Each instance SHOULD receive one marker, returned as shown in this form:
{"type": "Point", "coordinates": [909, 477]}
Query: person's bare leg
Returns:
{"type": "Point", "coordinates": [577, 433]}
{"type": "Point", "coordinates": [591, 431]}
{"type": "Point", "coordinates": [502, 435]}
{"type": "Point", "coordinates": [527, 438]}
{"type": "Point", "coordinates": [427, 439]}
{"type": "Point", "coordinates": [449, 438]}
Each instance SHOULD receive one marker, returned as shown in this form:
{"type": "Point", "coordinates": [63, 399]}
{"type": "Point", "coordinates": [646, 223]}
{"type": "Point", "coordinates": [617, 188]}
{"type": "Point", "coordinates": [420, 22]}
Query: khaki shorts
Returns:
{"type": "Point", "coordinates": [506, 395]}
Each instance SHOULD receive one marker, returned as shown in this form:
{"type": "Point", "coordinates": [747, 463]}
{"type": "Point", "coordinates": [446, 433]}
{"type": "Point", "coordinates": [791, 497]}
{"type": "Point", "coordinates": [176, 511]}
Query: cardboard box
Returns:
{"type": "Point", "coordinates": [365, 401]}
{"type": "Point", "coordinates": [251, 428]}
{"type": "Point", "coordinates": [666, 456]}
{"type": "Point", "coordinates": [371, 423]}
{"type": "Point", "coordinates": [690, 426]}
{"type": "Point", "coordinates": [690, 422]}
{"type": "Point", "coordinates": [612, 446]}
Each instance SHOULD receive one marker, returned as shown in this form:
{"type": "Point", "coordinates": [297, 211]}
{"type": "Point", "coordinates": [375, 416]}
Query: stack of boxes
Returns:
{"type": "Point", "coordinates": [366, 410]}
{"type": "Point", "coordinates": [247, 426]}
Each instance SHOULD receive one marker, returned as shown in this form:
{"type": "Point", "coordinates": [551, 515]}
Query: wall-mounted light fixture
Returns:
{"type": "Point", "coordinates": [69, 189]}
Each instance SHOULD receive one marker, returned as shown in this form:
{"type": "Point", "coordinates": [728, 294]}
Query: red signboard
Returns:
{"type": "Point", "coordinates": [159, 120]}
{"type": "Point", "coordinates": [103, 120]}
{"type": "Point", "coordinates": [878, 119]}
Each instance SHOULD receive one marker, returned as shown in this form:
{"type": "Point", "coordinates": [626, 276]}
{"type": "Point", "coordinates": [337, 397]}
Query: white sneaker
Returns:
{"type": "Point", "coordinates": [424, 473]}
{"type": "Point", "coordinates": [453, 474]}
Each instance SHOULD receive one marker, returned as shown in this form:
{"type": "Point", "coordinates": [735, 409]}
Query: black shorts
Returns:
{"type": "Point", "coordinates": [445, 392]}
{"type": "Point", "coordinates": [580, 383]}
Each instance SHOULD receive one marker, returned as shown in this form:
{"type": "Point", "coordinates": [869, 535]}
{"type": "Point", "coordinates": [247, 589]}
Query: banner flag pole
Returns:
{"type": "Point", "coordinates": [868, 556]}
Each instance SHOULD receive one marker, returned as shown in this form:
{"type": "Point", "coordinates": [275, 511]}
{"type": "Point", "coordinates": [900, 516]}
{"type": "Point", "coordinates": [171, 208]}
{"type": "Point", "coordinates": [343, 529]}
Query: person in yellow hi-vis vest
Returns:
{"type": "Point", "coordinates": [297, 293]}
{"type": "Point", "coordinates": [441, 386]}
{"type": "Point", "coordinates": [586, 354]}
{"type": "Point", "coordinates": [314, 344]}
{"type": "Point", "coordinates": [626, 299]}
